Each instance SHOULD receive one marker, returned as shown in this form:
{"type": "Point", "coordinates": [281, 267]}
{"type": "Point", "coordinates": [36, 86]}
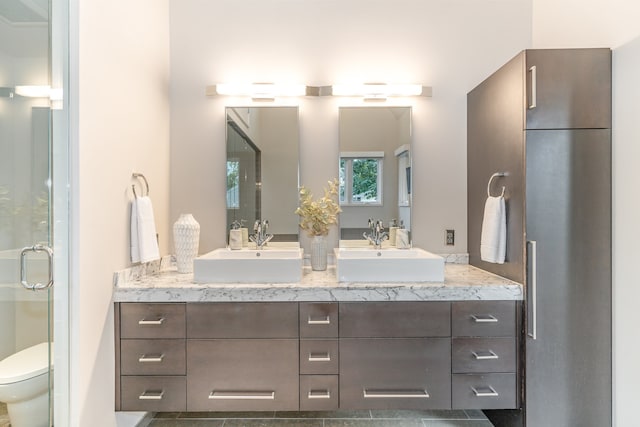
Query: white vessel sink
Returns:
{"type": "Point", "coordinates": [268, 265]}
{"type": "Point", "coordinates": [388, 265]}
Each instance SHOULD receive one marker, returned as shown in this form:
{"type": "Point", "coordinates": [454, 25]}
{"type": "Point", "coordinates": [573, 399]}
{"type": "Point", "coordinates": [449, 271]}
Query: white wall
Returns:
{"type": "Point", "coordinates": [450, 45]}
{"type": "Point", "coordinates": [606, 23]}
{"type": "Point", "coordinates": [119, 124]}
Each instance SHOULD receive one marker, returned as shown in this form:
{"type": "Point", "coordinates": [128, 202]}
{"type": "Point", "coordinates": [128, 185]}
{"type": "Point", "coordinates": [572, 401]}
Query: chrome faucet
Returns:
{"type": "Point", "coordinates": [377, 235]}
{"type": "Point", "coordinates": [260, 236]}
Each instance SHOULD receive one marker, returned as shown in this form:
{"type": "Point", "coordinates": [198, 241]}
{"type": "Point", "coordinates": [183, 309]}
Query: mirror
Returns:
{"type": "Point", "coordinates": [262, 168]}
{"type": "Point", "coordinates": [375, 168]}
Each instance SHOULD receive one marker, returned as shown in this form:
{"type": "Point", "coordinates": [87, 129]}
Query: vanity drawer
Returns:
{"type": "Point", "coordinates": [477, 355]}
{"type": "Point", "coordinates": [242, 375]}
{"type": "Point", "coordinates": [395, 319]}
{"type": "Point", "coordinates": [154, 394]}
{"type": "Point", "coordinates": [318, 320]}
{"type": "Point", "coordinates": [319, 356]}
{"type": "Point", "coordinates": [319, 392]}
{"type": "Point", "coordinates": [483, 318]}
{"type": "Point", "coordinates": [490, 391]}
{"type": "Point", "coordinates": [242, 320]}
{"type": "Point", "coordinates": [153, 357]}
{"type": "Point", "coordinates": [144, 320]}
{"type": "Point", "coordinates": [399, 373]}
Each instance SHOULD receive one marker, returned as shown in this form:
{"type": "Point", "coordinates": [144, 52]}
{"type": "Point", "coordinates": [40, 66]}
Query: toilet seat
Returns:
{"type": "Point", "coordinates": [25, 364]}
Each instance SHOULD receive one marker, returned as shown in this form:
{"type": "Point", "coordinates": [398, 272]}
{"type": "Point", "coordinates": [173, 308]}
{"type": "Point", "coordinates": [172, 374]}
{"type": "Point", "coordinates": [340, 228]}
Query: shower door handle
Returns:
{"type": "Point", "coordinates": [23, 267]}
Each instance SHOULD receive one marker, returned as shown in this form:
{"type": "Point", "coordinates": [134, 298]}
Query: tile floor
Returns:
{"type": "Point", "coordinates": [323, 419]}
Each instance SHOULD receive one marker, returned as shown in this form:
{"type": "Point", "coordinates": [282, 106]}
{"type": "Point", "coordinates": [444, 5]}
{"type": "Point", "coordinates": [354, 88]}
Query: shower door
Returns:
{"type": "Point", "coordinates": [26, 266]}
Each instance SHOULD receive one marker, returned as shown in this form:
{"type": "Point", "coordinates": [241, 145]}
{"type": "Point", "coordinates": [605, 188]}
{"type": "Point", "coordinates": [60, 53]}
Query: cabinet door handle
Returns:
{"type": "Point", "coordinates": [484, 318]}
{"type": "Point", "coordinates": [532, 291]}
{"type": "Point", "coordinates": [319, 394]}
{"type": "Point", "coordinates": [485, 355]}
{"type": "Point", "coordinates": [534, 87]}
{"type": "Point", "coordinates": [242, 395]}
{"type": "Point", "coordinates": [152, 395]}
{"type": "Point", "coordinates": [151, 358]}
{"type": "Point", "coordinates": [157, 321]}
{"type": "Point", "coordinates": [399, 394]}
{"type": "Point", "coordinates": [485, 391]}
{"type": "Point", "coordinates": [319, 357]}
{"type": "Point", "coordinates": [319, 321]}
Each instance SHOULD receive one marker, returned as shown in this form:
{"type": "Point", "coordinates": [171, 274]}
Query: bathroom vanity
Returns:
{"type": "Point", "coordinates": [317, 344]}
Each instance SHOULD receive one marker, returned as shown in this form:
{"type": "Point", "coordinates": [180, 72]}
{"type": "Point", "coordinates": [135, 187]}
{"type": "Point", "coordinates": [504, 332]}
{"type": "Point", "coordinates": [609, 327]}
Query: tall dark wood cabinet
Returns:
{"type": "Point", "coordinates": [544, 119]}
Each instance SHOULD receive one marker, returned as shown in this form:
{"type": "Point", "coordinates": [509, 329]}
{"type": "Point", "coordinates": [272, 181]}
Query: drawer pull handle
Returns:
{"type": "Point", "coordinates": [242, 395]}
{"type": "Point", "coordinates": [151, 358]}
{"type": "Point", "coordinates": [485, 391]}
{"type": "Point", "coordinates": [484, 319]}
{"type": "Point", "coordinates": [485, 355]}
{"type": "Point", "coordinates": [157, 321]}
{"type": "Point", "coordinates": [152, 395]}
{"type": "Point", "coordinates": [319, 394]}
{"type": "Point", "coordinates": [319, 357]}
{"type": "Point", "coordinates": [399, 394]}
{"type": "Point", "coordinates": [319, 321]}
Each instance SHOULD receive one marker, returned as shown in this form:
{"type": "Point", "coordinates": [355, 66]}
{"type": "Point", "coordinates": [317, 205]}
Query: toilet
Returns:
{"type": "Point", "coordinates": [24, 385]}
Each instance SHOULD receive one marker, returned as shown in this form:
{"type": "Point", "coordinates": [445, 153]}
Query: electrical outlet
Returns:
{"type": "Point", "coordinates": [450, 237]}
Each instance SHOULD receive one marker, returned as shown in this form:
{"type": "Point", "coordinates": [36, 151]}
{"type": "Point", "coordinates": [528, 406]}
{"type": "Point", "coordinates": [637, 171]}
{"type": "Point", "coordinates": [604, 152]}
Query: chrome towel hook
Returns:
{"type": "Point", "coordinates": [496, 175]}
{"type": "Point", "coordinates": [146, 183]}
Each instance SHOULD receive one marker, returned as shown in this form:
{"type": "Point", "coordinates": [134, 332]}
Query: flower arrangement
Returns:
{"type": "Point", "coordinates": [318, 215]}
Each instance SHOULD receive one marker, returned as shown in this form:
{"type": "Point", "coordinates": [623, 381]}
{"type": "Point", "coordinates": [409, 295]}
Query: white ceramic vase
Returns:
{"type": "Point", "coordinates": [319, 253]}
{"type": "Point", "coordinates": [186, 239]}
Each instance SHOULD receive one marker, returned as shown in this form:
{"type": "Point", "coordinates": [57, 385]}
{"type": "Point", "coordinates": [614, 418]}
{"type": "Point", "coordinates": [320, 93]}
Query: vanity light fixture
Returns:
{"type": "Point", "coordinates": [258, 91]}
{"type": "Point", "coordinates": [33, 91]}
{"type": "Point", "coordinates": [380, 91]}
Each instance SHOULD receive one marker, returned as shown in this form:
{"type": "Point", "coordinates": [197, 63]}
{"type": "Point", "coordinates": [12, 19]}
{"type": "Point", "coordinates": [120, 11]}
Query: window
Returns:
{"type": "Point", "coordinates": [361, 178]}
{"type": "Point", "coordinates": [233, 184]}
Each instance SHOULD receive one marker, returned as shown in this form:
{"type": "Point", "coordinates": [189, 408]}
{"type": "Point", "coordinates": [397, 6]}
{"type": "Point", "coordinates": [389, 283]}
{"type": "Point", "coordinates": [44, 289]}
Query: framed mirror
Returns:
{"type": "Point", "coordinates": [262, 168]}
{"type": "Point", "coordinates": [375, 168]}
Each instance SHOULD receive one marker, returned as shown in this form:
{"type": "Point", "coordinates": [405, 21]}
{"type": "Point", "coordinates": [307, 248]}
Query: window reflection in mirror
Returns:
{"type": "Point", "coordinates": [262, 168]}
{"type": "Point", "coordinates": [374, 168]}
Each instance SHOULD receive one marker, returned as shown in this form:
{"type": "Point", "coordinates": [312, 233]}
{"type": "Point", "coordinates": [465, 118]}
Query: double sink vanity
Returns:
{"type": "Point", "coordinates": [320, 343]}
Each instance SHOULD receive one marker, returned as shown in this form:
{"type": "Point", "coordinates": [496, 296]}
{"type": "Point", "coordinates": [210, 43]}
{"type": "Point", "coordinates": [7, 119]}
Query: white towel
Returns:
{"type": "Point", "coordinates": [144, 244]}
{"type": "Point", "coordinates": [493, 240]}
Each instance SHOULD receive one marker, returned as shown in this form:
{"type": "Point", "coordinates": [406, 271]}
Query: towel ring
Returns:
{"type": "Point", "coordinates": [146, 183]}
{"type": "Point", "coordinates": [496, 175]}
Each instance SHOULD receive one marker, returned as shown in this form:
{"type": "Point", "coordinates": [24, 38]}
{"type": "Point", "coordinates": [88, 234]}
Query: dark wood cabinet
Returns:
{"type": "Point", "coordinates": [316, 356]}
{"type": "Point", "coordinates": [242, 375]}
{"type": "Point", "coordinates": [484, 355]}
{"type": "Point", "coordinates": [395, 373]}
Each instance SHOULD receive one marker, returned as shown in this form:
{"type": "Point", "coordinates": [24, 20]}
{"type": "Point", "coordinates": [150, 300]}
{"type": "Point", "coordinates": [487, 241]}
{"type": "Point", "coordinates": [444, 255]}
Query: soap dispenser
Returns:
{"type": "Point", "coordinates": [235, 236]}
{"type": "Point", "coordinates": [393, 229]}
{"type": "Point", "coordinates": [402, 237]}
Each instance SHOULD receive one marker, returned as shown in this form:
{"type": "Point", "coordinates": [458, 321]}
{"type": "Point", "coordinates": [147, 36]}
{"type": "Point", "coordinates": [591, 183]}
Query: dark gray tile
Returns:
{"type": "Point", "coordinates": [458, 423]}
{"type": "Point", "coordinates": [475, 414]}
{"type": "Point", "coordinates": [222, 415]}
{"type": "Point", "coordinates": [186, 423]}
{"type": "Point", "coordinates": [425, 415]}
{"type": "Point", "coordinates": [372, 423]}
{"type": "Point", "coordinates": [280, 422]}
{"type": "Point", "coordinates": [163, 415]}
{"type": "Point", "coordinates": [324, 414]}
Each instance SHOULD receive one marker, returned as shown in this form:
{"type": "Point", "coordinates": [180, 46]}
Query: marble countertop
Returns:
{"type": "Point", "coordinates": [462, 282]}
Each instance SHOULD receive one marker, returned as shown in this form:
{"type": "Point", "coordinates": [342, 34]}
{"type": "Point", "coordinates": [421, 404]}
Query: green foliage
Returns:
{"type": "Point", "coordinates": [365, 178]}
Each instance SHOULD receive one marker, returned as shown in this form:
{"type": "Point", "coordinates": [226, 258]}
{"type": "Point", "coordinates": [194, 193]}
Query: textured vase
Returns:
{"type": "Point", "coordinates": [186, 238]}
{"type": "Point", "coordinates": [319, 253]}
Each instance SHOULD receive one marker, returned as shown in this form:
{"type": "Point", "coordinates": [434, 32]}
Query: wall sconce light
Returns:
{"type": "Point", "coordinates": [257, 91]}
{"type": "Point", "coordinates": [380, 91]}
